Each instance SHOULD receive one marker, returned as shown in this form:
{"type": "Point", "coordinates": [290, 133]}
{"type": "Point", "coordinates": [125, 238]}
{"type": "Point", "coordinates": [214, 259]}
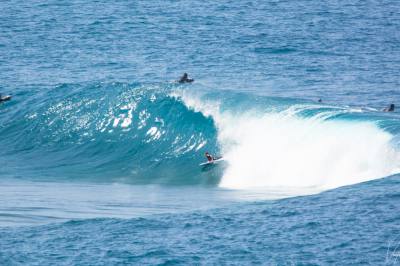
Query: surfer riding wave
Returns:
{"type": "Point", "coordinates": [209, 157]}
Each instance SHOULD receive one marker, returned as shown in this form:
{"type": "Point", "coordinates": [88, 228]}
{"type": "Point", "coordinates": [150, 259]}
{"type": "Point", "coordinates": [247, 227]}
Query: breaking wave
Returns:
{"type": "Point", "coordinates": [158, 133]}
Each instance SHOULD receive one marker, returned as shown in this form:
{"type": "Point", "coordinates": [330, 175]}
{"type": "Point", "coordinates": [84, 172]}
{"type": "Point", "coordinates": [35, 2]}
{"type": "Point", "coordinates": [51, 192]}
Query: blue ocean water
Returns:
{"type": "Point", "coordinates": [100, 146]}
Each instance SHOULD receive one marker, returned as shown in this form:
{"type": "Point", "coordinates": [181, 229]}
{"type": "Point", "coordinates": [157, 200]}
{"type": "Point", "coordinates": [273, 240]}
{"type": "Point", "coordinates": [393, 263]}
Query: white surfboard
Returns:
{"type": "Point", "coordinates": [212, 162]}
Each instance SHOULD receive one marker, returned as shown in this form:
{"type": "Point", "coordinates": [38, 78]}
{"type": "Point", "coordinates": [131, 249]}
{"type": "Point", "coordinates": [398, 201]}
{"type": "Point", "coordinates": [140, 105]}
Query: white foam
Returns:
{"type": "Point", "coordinates": [285, 150]}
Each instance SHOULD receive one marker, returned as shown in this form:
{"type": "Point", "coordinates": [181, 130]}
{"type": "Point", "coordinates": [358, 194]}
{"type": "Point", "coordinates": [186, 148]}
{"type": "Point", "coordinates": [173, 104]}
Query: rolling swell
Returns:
{"type": "Point", "coordinates": [106, 132]}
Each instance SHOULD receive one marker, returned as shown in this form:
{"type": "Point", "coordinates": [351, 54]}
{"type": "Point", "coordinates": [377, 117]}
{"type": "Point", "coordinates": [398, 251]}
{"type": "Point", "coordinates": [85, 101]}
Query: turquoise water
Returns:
{"type": "Point", "coordinates": [101, 146]}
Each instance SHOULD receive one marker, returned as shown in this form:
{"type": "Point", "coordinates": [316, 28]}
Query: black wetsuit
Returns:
{"type": "Point", "coordinates": [185, 80]}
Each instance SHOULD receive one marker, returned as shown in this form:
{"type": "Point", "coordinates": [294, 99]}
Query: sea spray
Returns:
{"type": "Point", "coordinates": [287, 149]}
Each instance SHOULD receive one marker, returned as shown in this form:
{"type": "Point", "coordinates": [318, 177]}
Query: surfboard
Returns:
{"type": "Point", "coordinates": [217, 160]}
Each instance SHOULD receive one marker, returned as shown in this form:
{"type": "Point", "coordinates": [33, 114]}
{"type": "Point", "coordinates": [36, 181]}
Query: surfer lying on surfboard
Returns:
{"type": "Point", "coordinates": [4, 98]}
{"type": "Point", "coordinates": [185, 79]}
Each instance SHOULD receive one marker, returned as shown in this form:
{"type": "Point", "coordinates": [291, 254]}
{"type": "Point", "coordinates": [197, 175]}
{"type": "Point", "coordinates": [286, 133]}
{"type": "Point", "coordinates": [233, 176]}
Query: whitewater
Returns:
{"type": "Point", "coordinates": [321, 151]}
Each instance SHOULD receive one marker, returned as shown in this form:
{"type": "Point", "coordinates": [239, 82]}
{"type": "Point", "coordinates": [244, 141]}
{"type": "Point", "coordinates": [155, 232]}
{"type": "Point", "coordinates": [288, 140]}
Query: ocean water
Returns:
{"type": "Point", "coordinates": [100, 146]}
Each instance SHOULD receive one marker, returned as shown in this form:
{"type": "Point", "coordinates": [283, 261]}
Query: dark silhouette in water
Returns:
{"type": "Point", "coordinates": [320, 100]}
{"type": "Point", "coordinates": [4, 98]}
{"type": "Point", "coordinates": [390, 108]}
{"type": "Point", "coordinates": [185, 79]}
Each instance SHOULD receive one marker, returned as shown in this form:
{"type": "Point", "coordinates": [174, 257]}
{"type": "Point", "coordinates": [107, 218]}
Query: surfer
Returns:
{"type": "Point", "coordinates": [185, 79]}
{"type": "Point", "coordinates": [211, 160]}
{"type": "Point", "coordinates": [209, 157]}
{"type": "Point", "coordinates": [4, 98]}
{"type": "Point", "coordinates": [390, 108]}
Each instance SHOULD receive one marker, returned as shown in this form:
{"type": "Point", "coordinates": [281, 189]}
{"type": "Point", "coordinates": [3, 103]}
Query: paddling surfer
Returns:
{"type": "Point", "coordinates": [390, 108]}
{"type": "Point", "coordinates": [185, 79]}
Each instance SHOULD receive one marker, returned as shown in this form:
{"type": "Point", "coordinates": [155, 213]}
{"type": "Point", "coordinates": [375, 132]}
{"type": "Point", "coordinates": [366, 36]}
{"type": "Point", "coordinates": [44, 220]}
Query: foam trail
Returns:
{"type": "Point", "coordinates": [282, 149]}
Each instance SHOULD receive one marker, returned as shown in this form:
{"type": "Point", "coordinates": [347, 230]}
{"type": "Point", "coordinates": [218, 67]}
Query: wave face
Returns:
{"type": "Point", "coordinates": [107, 132]}
{"type": "Point", "coordinates": [158, 133]}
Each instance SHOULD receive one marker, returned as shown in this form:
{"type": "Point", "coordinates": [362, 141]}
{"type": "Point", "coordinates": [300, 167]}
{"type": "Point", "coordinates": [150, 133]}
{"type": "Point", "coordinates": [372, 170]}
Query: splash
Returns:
{"type": "Point", "coordinates": [287, 149]}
